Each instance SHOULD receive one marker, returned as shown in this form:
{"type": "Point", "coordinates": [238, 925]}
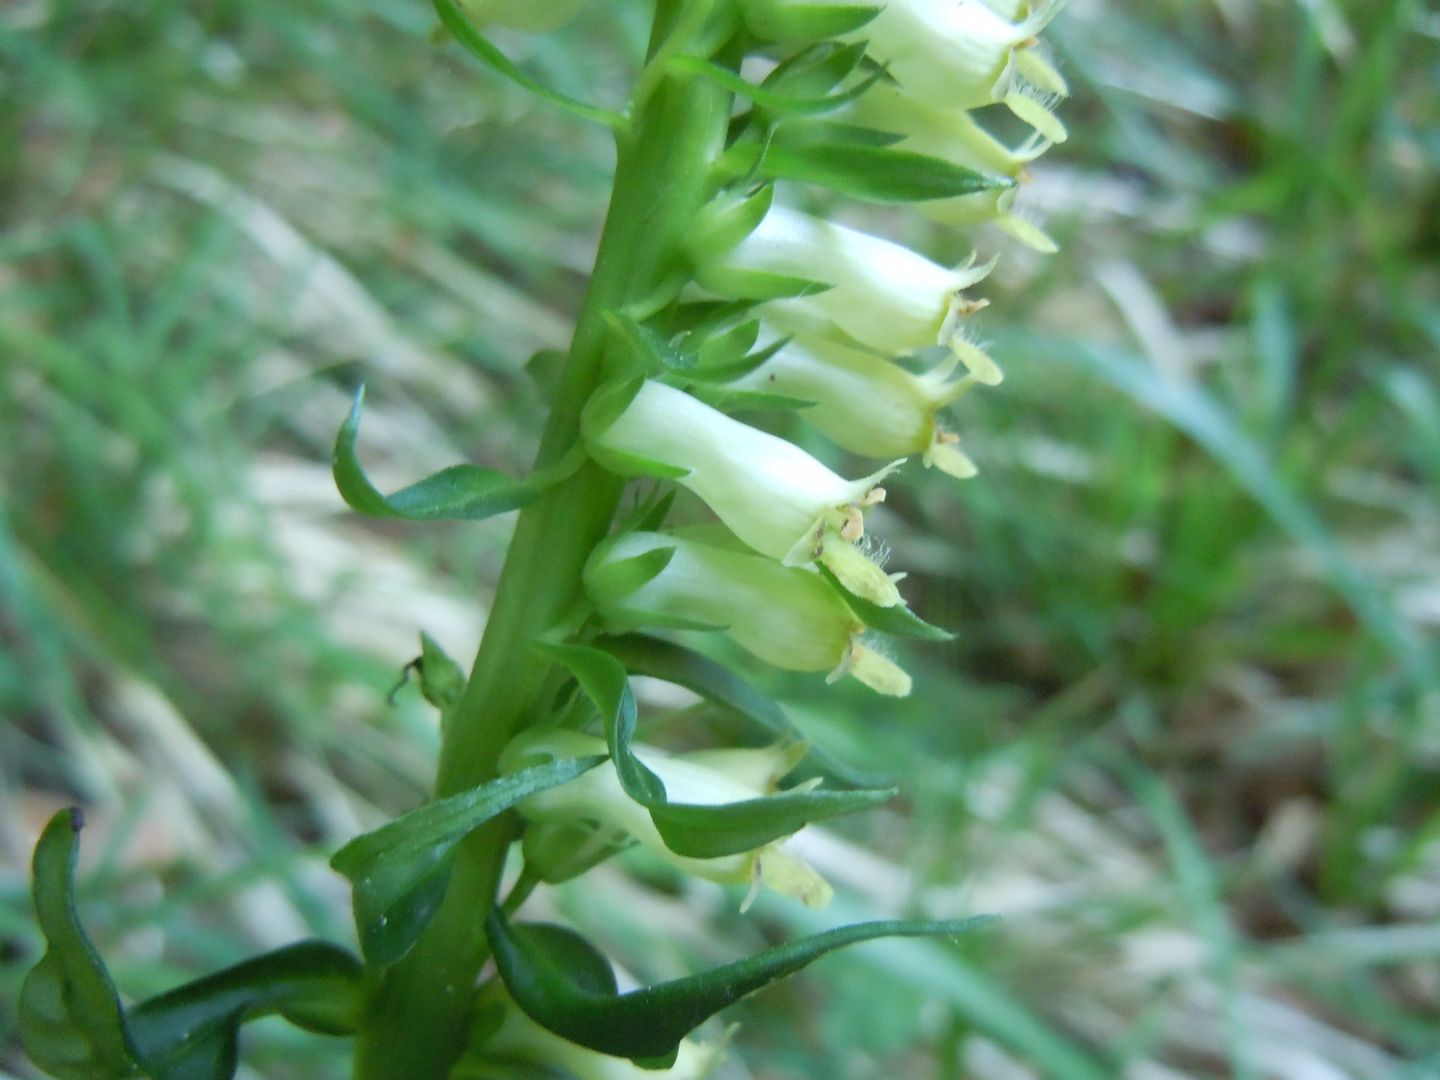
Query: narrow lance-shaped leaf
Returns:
{"type": "Point", "coordinates": [71, 1021]}
{"type": "Point", "coordinates": [695, 830]}
{"type": "Point", "coordinates": [457, 493]}
{"type": "Point", "coordinates": [192, 1032]}
{"type": "Point", "coordinates": [648, 1024]}
{"type": "Point", "coordinates": [399, 871]}
{"type": "Point", "coordinates": [459, 25]}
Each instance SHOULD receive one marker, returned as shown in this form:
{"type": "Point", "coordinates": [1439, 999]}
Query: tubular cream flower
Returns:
{"type": "Point", "coordinates": [771, 494]}
{"type": "Point", "coordinates": [957, 53]}
{"type": "Point", "coordinates": [704, 778]}
{"type": "Point", "coordinates": [954, 135]}
{"type": "Point", "coordinates": [505, 1035]}
{"type": "Point", "coordinates": [866, 404]}
{"type": "Point", "coordinates": [882, 295]}
{"type": "Point", "coordinates": [787, 616]}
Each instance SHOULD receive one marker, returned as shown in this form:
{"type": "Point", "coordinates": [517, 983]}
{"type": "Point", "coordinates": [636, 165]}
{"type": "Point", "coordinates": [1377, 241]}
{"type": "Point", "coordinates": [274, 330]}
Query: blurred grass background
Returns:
{"type": "Point", "coordinates": [1187, 742]}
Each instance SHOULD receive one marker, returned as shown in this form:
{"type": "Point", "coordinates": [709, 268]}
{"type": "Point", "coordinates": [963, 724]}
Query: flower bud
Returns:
{"type": "Point", "coordinates": [958, 54]}
{"type": "Point", "coordinates": [697, 779]}
{"type": "Point", "coordinates": [787, 616]}
{"type": "Point", "coordinates": [884, 296]}
{"type": "Point", "coordinates": [771, 494]}
{"type": "Point", "coordinates": [866, 404]}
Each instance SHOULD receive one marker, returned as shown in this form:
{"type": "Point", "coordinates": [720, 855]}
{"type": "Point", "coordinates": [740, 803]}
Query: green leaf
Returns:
{"type": "Point", "coordinates": [459, 25]}
{"type": "Point", "coordinates": [457, 493]}
{"type": "Point", "coordinates": [660, 659]}
{"type": "Point", "coordinates": [807, 22]}
{"type": "Point", "coordinates": [649, 1023]}
{"type": "Point", "coordinates": [192, 1032]}
{"type": "Point", "coordinates": [898, 620]}
{"type": "Point", "coordinates": [873, 173]}
{"type": "Point", "coordinates": [692, 830]}
{"type": "Point", "coordinates": [399, 871]}
{"type": "Point", "coordinates": [71, 1021]}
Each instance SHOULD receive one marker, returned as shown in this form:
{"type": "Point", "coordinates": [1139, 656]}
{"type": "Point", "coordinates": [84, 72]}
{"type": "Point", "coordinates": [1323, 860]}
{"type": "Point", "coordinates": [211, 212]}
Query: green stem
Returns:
{"type": "Point", "coordinates": [417, 1011]}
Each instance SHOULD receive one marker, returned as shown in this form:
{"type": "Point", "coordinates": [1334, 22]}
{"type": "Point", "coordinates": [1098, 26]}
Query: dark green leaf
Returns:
{"type": "Point", "coordinates": [191, 1033]}
{"type": "Point", "coordinates": [459, 25]}
{"type": "Point", "coordinates": [650, 1023]}
{"type": "Point", "coordinates": [695, 831]}
{"type": "Point", "coordinates": [399, 871]}
{"type": "Point", "coordinates": [898, 620]}
{"type": "Point", "coordinates": [723, 373]}
{"type": "Point", "coordinates": [71, 1021]}
{"type": "Point", "coordinates": [458, 493]}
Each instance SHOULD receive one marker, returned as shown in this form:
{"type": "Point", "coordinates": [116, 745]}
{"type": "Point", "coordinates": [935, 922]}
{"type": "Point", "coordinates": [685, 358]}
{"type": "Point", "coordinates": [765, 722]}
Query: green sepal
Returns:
{"type": "Point", "coordinates": [898, 620]}
{"type": "Point", "coordinates": [732, 401]}
{"type": "Point", "coordinates": [71, 1021]}
{"type": "Point", "coordinates": [652, 348]}
{"type": "Point", "coordinates": [872, 173]}
{"type": "Point", "coordinates": [813, 22]}
{"type": "Point", "coordinates": [728, 346]}
{"type": "Point", "coordinates": [192, 1032]}
{"type": "Point", "coordinates": [647, 1025]}
{"type": "Point", "coordinates": [771, 102]}
{"type": "Point", "coordinates": [545, 369]}
{"type": "Point", "coordinates": [831, 133]}
{"type": "Point", "coordinates": [442, 680]}
{"type": "Point", "coordinates": [815, 70]}
{"type": "Point", "coordinates": [650, 514]}
{"type": "Point", "coordinates": [694, 831]}
{"type": "Point", "coordinates": [560, 850]}
{"type": "Point", "coordinates": [758, 285]}
{"type": "Point", "coordinates": [726, 220]}
{"type": "Point", "coordinates": [475, 43]}
{"type": "Point", "coordinates": [618, 579]}
{"type": "Point", "coordinates": [399, 872]}
{"type": "Point", "coordinates": [716, 683]}
{"type": "Point", "coordinates": [457, 493]}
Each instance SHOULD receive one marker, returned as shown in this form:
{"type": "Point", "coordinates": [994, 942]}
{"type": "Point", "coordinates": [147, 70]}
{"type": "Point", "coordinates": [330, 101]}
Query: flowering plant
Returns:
{"type": "Point", "coordinates": [708, 300]}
